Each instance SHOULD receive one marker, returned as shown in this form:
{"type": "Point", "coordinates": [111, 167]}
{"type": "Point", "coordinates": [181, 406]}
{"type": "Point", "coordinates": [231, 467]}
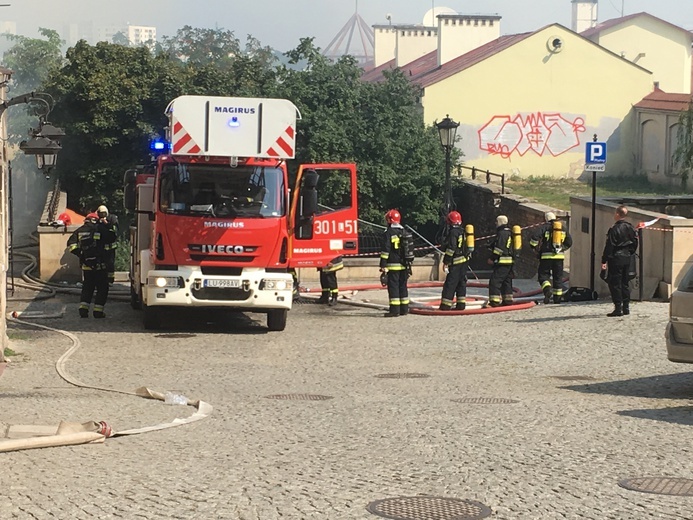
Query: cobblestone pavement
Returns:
{"type": "Point", "coordinates": [557, 453]}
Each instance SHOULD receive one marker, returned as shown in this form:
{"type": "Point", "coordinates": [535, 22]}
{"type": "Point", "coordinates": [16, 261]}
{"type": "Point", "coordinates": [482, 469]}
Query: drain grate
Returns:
{"type": "Point", "coordinates": [402, 375]}
{"type": "Point", "coordinates": [175, 335]}
{"type": "Point", "coordinates": [574, 378]}
{"type": "Point", "coordinates": [682, 487]}
{"type": "Point", "coordinates": [428, 508]}
{"type": "Point", "coordinates": [299, 397]}
{"type": "Point", "coordinates": [485, 400]}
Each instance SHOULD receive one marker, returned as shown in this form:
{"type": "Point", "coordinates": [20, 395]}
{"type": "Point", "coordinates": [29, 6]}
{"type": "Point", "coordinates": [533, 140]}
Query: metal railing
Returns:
{"type": "Point", "coordinates": [476, 172]}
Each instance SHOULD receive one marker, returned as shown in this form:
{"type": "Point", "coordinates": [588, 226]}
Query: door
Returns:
{"type": "Point", "coordinates": [324, 214]}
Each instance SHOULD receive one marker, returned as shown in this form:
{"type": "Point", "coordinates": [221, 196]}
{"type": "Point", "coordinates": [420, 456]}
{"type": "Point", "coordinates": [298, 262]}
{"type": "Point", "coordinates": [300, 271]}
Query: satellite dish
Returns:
{"type": "Point", "coordinates": [430, 20]}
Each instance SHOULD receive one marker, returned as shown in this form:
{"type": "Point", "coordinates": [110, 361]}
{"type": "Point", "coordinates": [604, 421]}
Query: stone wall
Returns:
{"type": "Point", "coordinates": [481, 203]}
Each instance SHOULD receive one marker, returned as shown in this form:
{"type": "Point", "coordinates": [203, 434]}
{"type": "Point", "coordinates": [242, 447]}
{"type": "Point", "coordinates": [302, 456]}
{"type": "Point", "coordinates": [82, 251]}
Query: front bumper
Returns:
{"type": "Point", "coordinates": [676, 351]}
{"type": "Point", "coordinates": [253, 290]}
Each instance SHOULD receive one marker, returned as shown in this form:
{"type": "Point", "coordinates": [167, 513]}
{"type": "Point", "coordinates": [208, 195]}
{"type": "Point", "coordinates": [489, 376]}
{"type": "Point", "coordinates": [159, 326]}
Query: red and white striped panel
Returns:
{"type": "Point", "coordinates": [285, 143]}
{"type": "Point", "coordinates": [182, 142]}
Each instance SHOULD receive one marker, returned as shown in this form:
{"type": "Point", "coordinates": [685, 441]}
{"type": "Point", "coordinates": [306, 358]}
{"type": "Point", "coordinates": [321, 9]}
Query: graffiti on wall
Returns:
{"type": "Point", "coordinates": [541, 132]}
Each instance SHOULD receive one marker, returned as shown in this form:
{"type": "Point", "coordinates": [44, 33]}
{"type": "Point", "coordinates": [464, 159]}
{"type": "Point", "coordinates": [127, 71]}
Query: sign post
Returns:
{"type": "Point", "coordinates": [595, 161]}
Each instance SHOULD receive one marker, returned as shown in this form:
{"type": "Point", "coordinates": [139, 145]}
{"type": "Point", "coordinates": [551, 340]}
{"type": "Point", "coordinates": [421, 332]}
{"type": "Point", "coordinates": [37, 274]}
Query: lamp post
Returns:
{"type": "Point", "coordinates": [447, 130]}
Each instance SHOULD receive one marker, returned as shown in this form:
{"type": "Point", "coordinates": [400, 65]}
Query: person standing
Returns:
{"type": "Point", "coordinates": [328, 281]}
{"type": "Point", "coordinates": [621, 245]}
{"type": "Point", "coordinates": [455, 265]}
{"type": "Point", "coordinates": [393, 263]}
{"type": "Point", "coordinates": [551, 240]}
{"type": "Point", "coordinates": [110, 221]}
{"type": "Point", "coordinates": [91, 243]}
{"type": "Point", "coordinates": [500, 286]}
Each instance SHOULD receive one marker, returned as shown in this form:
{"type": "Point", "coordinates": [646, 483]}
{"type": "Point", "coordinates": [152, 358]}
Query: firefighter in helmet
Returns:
{"type": "Point", "coordinates": [500, 285]}
{"type": "Point", "coordinates": [92, 243]}
{"type": "Point", "coordinates": [551, 240]}
{"type": "Point", "coordinates": [458, 250]}
{"type": "Point", "coordinates": [328, 281]}
{"type": "Point", "coordinates": [111, 221]}
{"type": "Point", "coordinates": [393, 263]}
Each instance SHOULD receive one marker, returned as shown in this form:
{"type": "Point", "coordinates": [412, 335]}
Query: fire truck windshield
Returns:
{"type": "Point", "coordinates": [222, 191]}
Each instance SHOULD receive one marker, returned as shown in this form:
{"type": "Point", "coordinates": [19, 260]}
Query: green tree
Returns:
{"type": "Point", "coordinates": [377, 126]}
{"type": "Point", "coordinates": [31, 60]}
{"type": "Point", "coordinates": [683, 155]}
{"type": "Point", "coordinates": [110, 99]}
{"type": "Point", "coordinates": [120, 38]}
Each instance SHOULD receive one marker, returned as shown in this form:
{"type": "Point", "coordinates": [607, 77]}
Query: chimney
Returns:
{"type": "Point", "coordinates": [413, 42]}
{"type": "Point", "coordinates": [584, 15]}
{"type": "Point", "coordinates": [458, 34]}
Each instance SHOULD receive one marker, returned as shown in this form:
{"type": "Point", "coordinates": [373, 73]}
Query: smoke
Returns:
{"type": "Point", "coordinates": [29, 191]}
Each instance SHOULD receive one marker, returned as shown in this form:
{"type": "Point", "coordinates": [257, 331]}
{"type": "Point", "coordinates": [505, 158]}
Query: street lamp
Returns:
{"type": "Point", "coordinates": [43, 148]}
{"type": "Point", "coordinates": [447, 130]}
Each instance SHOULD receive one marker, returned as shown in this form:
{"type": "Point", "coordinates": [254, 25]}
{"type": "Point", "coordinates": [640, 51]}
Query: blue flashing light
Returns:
{"type": "Point", "coordinates": [234, 122]}
{"type": "Point", "coordinates": [157, 145]}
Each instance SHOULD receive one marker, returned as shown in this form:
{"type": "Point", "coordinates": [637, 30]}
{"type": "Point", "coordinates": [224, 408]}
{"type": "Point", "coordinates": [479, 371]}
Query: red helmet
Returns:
{"type": "Point", "coordinates": [91, 216]}
{"type": "Point", "coordinates": [393, 217]}
{"type": "Point", "coordinates": [454, 218]}
{"type": "Point", "coordinates": [65, 217]}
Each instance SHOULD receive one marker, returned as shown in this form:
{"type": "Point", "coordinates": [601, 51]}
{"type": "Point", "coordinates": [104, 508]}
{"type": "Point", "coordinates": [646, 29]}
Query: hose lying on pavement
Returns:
{"type": "Point", "coordinates": [93, 431]}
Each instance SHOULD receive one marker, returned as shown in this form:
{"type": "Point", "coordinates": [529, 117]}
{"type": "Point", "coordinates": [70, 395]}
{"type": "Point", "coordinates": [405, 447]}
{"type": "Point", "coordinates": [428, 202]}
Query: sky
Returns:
{"type": "Point", "coordinates": [281, 23]}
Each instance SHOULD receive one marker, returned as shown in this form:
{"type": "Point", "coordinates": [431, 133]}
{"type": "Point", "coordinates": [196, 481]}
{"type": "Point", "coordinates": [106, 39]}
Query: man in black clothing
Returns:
{"type": "Point", "coordinates": [393, 263]}
{"type": "Point", "coordinates": [621, 245]}
{"type": "Point", "coordinates": [110, 221]}
{"type": "Point", "coordinates": [500, 285]}
{"type": "Point", "coordinates": [92, 243]}
{"type": "Point", "coordinates": [328, 281]}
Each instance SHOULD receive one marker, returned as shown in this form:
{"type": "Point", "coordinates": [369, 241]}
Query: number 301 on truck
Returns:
{"type": "Point", "coordinates": [215, 225]}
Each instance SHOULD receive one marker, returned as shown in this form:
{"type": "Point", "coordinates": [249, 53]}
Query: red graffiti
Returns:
{"type": "Point", "coordinates": [539, 132]}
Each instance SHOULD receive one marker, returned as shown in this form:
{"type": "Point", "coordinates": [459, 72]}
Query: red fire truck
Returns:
{"type": "Point", "coordinates": [216, 225]}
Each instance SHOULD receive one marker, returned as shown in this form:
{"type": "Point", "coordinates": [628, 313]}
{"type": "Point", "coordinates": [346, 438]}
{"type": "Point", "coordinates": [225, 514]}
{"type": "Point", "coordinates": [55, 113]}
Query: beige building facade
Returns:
{"type": "Point", "coordinates": [652, 43]}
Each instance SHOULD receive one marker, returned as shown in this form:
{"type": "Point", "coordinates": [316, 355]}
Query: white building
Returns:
{"type": "Point", "coordinates": [141, 35]}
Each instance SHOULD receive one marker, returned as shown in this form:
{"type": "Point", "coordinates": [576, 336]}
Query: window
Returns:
{"type": "Point", "coordinates": [686, 284]}
{"type": "Point", "coordinates": [221, 191]}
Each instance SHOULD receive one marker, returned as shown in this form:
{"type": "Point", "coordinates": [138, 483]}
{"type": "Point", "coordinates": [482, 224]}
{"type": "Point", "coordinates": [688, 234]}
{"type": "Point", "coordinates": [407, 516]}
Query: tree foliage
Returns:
{"type": "Point", "coordinates": [683, 155]}
{"type": "Point", "coordinates": [110, 99]}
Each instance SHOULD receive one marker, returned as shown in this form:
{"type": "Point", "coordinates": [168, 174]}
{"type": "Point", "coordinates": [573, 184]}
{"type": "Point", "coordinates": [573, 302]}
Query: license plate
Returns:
{"type": "Point", "coordinates": [222, 283]}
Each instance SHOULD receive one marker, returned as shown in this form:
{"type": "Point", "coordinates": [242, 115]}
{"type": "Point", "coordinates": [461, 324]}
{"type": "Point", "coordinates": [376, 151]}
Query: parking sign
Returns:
{"type": "Point", "coordinates": [595, 156]}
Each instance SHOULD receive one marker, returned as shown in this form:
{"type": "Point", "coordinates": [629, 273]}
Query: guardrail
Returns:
{"type": "Point", "coordinates": [476, 172]}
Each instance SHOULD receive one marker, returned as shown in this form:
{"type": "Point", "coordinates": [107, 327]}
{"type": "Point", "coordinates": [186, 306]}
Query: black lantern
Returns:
{"type": "Point", "coordinates": [447, 130]}
{"type": "Point", "coordinates": [43, 148]}
{"type": "Point", "coordinates": [51, 132]}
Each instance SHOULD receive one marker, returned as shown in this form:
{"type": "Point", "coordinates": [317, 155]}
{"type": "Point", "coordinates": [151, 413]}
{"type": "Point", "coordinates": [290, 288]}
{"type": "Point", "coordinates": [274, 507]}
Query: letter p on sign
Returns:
{"type": "Point", "coordinates": [596, 153]}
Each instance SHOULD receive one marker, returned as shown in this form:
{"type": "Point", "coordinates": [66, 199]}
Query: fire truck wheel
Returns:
{"type": "Point", "coordinates": [276, 319]}
{"type": "Point", "coordinates": [152, 317]}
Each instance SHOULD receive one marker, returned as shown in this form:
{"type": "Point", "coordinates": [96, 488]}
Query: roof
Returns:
{"type": "Point", "coordinates": [665, 101]}
{"type": "Point", "coordinates": [425, 70]}
{"type": "Point", "coordinates": [588, 33]}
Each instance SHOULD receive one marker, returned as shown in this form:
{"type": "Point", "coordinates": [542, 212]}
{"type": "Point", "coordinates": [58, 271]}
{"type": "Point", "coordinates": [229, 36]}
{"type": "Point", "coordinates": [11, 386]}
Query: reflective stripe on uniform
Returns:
{"type": "Point", "coordinates": [459, 260]}
{"type": "Point", "coordinates": [552, 256]}
{"type": "Point", "coordinates": [534, 243]}
{"type": "Point", "coordinates": [494, 299]}
{"type": "Point", "coordinates": [395, 267]}
{"type": "Point", "coordinates": [505, 260]}
{"type": "Point", "coordinates": [445, 301]}
{"type": "Point", "coordinates": [394, 301]}
{"type": "Point", "coordinates": [83, 305]}
{"type": "Point", "coordinates": [545, 284]}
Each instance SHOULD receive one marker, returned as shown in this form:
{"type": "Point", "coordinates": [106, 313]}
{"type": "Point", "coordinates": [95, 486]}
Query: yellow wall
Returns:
{"type": "Point", "coordinates": [526, 97]}
{"type": "Point", "coordinates": [667, 50]}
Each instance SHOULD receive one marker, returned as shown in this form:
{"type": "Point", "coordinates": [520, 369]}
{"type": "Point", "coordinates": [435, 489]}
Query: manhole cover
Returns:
{"type": "Point", "coordinates": [428, 508]}
{"type": "Point", "coordinates": [175, 335]}
{"type": "Point", "coordinates": [403, 375]}
{"type": "Point", "coordinates": [299, 397]}
{"type": "Point", "coordinates": [574, 378]}
{"type": "Point", "coordinates": [485, 400]}
{"type": "Point", "coordinates": [660, 485]}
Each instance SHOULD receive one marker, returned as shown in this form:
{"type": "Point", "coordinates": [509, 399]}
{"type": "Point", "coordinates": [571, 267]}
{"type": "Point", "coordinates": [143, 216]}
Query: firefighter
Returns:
{"type": "Point", "coordinates": [392, 262]}
{"type": "Point", "coordinates": [551, 241]}
{"type": "Point", "coordinates": [500, 286]}
{"type": "Point", "coordinates": [92, 243]}
{"type": "Point", "coordinates": [110, 221]}
{"type": "Point", "coordinates": [328, 281]}
{"type": "Point", "coordinates": [457, 253]}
